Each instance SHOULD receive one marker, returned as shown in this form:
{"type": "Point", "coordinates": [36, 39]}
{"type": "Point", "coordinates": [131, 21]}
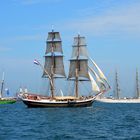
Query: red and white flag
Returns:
{"type": "Point", "coordinates": [36, 62]}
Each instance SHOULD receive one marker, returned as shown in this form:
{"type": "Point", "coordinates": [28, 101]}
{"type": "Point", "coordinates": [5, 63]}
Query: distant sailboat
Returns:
{"type": "Point", "coordinates": [54, 69]}
{"type": "Point", "coordinates": [5, 100]}
{"type": "Point", "coordinates": [117, 99]}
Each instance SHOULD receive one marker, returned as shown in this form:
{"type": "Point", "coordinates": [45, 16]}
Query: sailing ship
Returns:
{"type": "Point", "coordinates": [117, 98]}
{"type": "Point", "coordinates": [5, 100]}
{"type": "Point", "coordinates": [79, 71]}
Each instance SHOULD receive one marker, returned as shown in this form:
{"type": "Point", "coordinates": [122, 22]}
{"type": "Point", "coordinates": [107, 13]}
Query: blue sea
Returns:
{"type": "Point", "coordinates": [99, 122]}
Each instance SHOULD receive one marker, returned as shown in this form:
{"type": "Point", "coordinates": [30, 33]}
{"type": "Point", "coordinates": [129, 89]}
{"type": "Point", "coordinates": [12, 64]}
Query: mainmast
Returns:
{"type": "Point", "coordinates": [78, 70]}
{"type": "Point", "coordinates": [137, 84]}
{"type": "Point", "coordinates": [53, 59]}
{"type": "Point", "coordinates": [117, 89]}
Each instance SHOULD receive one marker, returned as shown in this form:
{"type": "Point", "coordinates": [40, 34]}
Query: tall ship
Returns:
{"type": "Point", "coordinates": [79, 71]}
{"type": "Point", "coordinates": [117, 99]}
{"type": "Point", "coordinates": [5, 100]}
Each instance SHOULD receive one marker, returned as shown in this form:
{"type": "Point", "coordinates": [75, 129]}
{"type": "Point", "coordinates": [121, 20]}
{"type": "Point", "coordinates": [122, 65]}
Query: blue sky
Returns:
{"type": "Point", "coordinates": [111, 28]}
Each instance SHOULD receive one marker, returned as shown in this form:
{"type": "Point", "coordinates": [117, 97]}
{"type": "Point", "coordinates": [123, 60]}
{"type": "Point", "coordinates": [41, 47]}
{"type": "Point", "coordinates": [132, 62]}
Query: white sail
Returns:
{"type": "Point", "coordinates": [94, 84]}
{"type": "Point", "coordinates": [102, 76]}
{"type": "Point", "coordinates": [99, 70]}
{"type": "Point", "coordinates": [99, 80]}
{"type": "Point", "coordinates": [96, 75]}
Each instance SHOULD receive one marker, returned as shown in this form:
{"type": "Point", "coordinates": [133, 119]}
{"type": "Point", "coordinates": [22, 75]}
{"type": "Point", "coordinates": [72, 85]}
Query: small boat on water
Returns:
{"type": "Point", "coordinates": [5, 100]}
{"type": "Point", "coordinates": [117, 99]}
{"type": "Point", "coordinates": [79, 71]}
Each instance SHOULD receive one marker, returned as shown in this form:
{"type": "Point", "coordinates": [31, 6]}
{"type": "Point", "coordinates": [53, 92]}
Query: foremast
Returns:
{"type": "Point", "coordinates": [78, 70]}
{"type": "Point", "coordinates": [53, 67]}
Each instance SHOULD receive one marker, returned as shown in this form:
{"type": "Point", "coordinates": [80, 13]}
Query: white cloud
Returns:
{"type": "Point", "coordinates": [119, 20]}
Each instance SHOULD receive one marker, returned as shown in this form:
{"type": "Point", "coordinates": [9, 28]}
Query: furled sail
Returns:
{"type": "Point", "coordinates": [79, 60]}
{"type": "Point", "coordinates": [95, 87]}
{"type": "Point", "coordinates": [54, 56]}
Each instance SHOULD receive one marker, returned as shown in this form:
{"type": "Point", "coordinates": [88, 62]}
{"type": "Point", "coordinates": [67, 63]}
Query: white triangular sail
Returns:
{"type": "Point", "coordinates": [94, 84]}
{"type": "Point", "coordinates": [99, 70]}
{"type": "Point", "coordinates": [97, 77]}
{"type": "Point", "coordinates": [102, 76]}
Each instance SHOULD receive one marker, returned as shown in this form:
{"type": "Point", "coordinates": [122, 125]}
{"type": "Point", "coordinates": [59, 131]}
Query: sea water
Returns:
{"type": "Point", "coordinates": [101, 121]}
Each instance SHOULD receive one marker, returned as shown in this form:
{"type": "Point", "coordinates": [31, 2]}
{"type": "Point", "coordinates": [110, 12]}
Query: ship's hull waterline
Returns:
{"type": "Point", "coordinates": [68, 104]}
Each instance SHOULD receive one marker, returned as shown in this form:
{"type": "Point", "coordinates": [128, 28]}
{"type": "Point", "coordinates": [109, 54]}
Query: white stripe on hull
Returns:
{"type": "Point", "coordinates": [118, 100]}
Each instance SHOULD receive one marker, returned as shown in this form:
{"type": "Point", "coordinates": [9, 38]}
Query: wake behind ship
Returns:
{"type": "Point", "coordinates": [79, 71]}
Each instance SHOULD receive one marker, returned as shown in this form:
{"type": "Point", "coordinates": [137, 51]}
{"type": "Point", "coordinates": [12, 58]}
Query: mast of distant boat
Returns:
{"type": "Point", "coordinates": [137, 84]}
{"type": "Point", "coordinates": [117, 90]}
{"type": "Point", "coordinates": [2, 85]}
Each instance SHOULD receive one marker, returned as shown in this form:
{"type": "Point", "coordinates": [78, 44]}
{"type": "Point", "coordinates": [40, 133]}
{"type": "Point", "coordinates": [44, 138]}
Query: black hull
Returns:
{"type": "Point", "coordinates": [68, 104]}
